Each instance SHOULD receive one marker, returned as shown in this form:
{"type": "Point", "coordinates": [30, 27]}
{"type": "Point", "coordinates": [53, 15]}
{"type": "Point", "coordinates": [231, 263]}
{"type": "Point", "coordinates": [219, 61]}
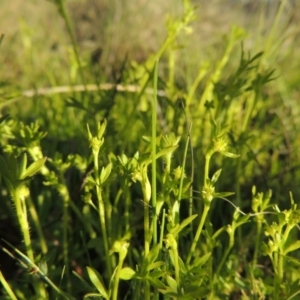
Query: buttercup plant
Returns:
{"type": "Point", "coordinates": [107, 215]}
{"type": "Point", "coordinates": [218, 144]}
{"type": "Point", "coordinates": [99, 179]}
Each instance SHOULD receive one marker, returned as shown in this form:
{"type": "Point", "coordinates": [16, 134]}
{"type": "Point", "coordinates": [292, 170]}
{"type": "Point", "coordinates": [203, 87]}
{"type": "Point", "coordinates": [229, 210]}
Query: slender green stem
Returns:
{"type": "Point", "coordinates": [147, 291]}
{"type": "Point", "coordinates": [146, 227]}
{"type": "Point", "coordinates": [31, 265]}
{"type": "Point", "coordinates": [280, 261]}
{"type": "Point", "coordinates": [153, 141]}
{"type": "Point", "coordinates": [276, 275]}
{"type": "Point", "coordinates": [183, 168]}
{"type": "Point", "coordinates": [38, 226]}
{"type": "Point", "coordinates": [207, 94]}
{"type": "Point", "coordinates": [257, 240]}
{"type": "Point", "coordinates": [201, 73]}
{"type": "Point", "coordinates": [162, 228]}
{"type": "Point", "coordinates": [171, 69]}
{"type": "Point", "coordinates": [127, 205]}
{"type": "Point", "coordinates": [7, 287]}
{"type": "Point", "coordinates": [280, 267]}
{"type": "Point", "coordinates": [20, 205]}
{"type": "Point", "coordinates": [176, 266]}
{"type": "Point", "coordinates": [225, 255]}
{"type": "Point", "coordinates": [64, 14]}
{"type": "Point", "coordinates": [117, 278]}
{"type": "Point", "coordinates": [206, 167]}
{"type": "Point", "coordinates": [189, 130]}
{"type": "Point", "coordinates": [274, 29]}
{"type": "Point", "coordinates": [197, 235]}
{"type": "Point", "coordinates": [101, 209]}
{"type": "Point", "coordinates": [64, 193]}
{"type": "Point", "coordinates": [176, 219]}
{"type": "Point", "coordinates": [238, 194]}
{"type": "Point", "coordinates": [206, 206]}
{"type": "Point", "coordinates": [146, 188]}
{"type": "Point", "coordinates": [19, 200]}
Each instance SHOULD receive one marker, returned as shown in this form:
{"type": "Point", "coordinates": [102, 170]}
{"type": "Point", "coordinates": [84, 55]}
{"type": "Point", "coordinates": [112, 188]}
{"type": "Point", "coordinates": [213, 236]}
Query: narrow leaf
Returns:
{"type": "Point", "coordinates": [34, 168]}
{"type": "Point", "coordinates": [93, 295]}
{"type": "Point", "coordinates": [292, 247]}
{"type": "Point", "coordinates": [5, 116]}
{"type": "Point", "coordinates": [152, 255]}
{"type": "Point", "coordinates": [187, 221]}
{"type": "Point", "coordinates": [127, 273]}
{"type": "Point", "coordinates": [216, 176]}
{"type": "Point", "coordinates": [4, 170]}
{"type": "Point", "coordinates": [229, 154]}
{"type": "Point", "coordinates": [105, 172]}
{"type": "Point", "coordinates": [96, 279]}
{"type": "Point", "coordinates": [172, 283]}
{"type": "Point", "coordinates": [13, 167]}
{"type": "Point", "coordinates": [155, 265]}
{"type": "Point", "coordinates": [202, 260]}
{"type": "Point", "coordinates": [1, 38]}
{"type": "Point", "coordinates": [223, 194]}
{"type": "Point", "coordinates": [156, 283]}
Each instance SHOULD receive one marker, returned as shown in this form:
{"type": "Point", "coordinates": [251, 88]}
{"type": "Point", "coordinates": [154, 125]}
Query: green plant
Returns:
{"type": "Point", "coordinates": [129, 202]}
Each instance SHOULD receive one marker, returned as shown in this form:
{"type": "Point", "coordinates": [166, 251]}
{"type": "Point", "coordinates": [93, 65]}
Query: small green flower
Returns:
{"type": "Point", "coordinates": [136, 176]}
{"type": "Point", "coordinates": [208, 192]}
{"type": "Point", "coordinates": [178, 173]}
{"type": "Point", "coordinates": [220, 145]}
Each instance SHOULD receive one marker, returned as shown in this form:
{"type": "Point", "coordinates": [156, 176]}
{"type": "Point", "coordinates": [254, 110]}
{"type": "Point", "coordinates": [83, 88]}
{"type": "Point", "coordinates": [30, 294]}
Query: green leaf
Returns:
{"type": "Point", "coordinates": [256, 56]}
{"type": "Point", "coordinates": [1, 38]}
{"type": "Point", "coordinates": [146, 139]}
{"type": "Point", "coordinates": [172, 283]}
{"type": "Point", "coordinates": [96, 279]}
{"type": "Point", "coordinates": [13, 168]}
{"type": "Point", "coordinates": [127, 273]}
{"type": "Point", "coordinates": [7, 115]}
{"type": "Point", "coordinates": [101, 129]}
{"type": "Point", "coordinates": [34, 168]}
{"type": "Point", "coordinates": [146, 159]}
{"type": "Point", "coordinates": [216, 177]}
{"type": "Point", "coordinates": [229, 154]}
{"type": "Point", "coordinates": [242, 220]}
{"type": "Point", "coordinates": [157, 273]}
{"type": "Point", "coordinates": [176, 229]}
{"type": "Point", "coordinates": [105, 172]}
{"type": "Point", "coordinates": [156, 282]}
{"type": "Point", "coordinates": [93, 295]}
{"type": "Point", "coordinates": [152, 255]}
{"type": "Point", "coordinates": [202, 260]}
{"type": "Point", "coordinates": [72, 102]}
{"type": "Point", "coordinates": [182, 265]}
{"type": "Point", "coordinates": [223, 194]}
{"type": "Point", "coordinates": [155, 265]}
{"type": "Point", "coordinates": [197, 292]}
{"type": "Point", "coordinates": [166, 151]}
{"type": "Point", "coordinates": [168, 291]}
{"type": "Point", "coordinates": [292, 247]}
{"type": "Point", "coordinates": [89, 132]}
{"type": "Point", "coordinates": [91, 180]}
{"type": "Point", "coordinates": [123, 159]}
{"type": "Point", "coordinates": [187, 221]}
{"type": "Point", "coordinates": [4, 169]}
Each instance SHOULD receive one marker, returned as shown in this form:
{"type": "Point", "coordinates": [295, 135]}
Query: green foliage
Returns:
{"type": "Point", "coordinates": [120, 190]}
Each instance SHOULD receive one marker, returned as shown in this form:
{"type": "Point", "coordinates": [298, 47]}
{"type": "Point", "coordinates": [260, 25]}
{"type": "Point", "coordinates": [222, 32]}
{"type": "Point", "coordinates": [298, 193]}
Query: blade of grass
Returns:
{"type": "Point", "coordinates": [153, 141]}
{"type": "Point", "coordinates": [7, 287]}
